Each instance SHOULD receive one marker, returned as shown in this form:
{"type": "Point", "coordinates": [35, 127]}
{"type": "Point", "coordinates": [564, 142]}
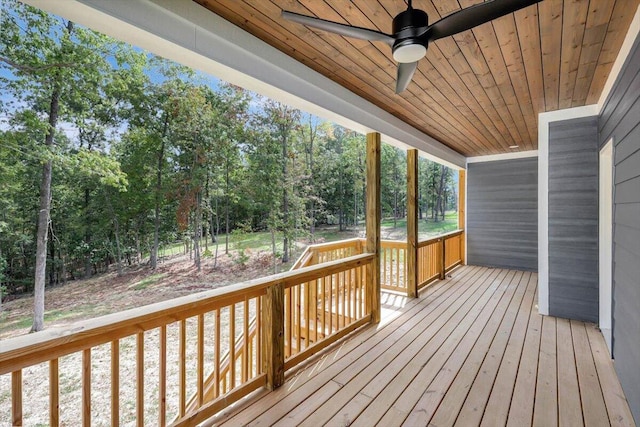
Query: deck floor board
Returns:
{"type": "Point", "coordinates": [472, 350]}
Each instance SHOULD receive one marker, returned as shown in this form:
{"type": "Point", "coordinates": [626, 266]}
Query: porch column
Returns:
{"type": "Point", "coordinates": [462, 192]}
{"type": "Point", "coordinates": [373, 224]}
{"type": "Point", "coordinates": [412, 223]}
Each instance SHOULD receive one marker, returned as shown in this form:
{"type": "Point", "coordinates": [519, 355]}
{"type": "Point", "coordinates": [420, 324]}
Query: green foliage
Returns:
{"type": "Point", "coordinates": [145, 148]}
{"type": "Point", "coordinates": [240, 257]}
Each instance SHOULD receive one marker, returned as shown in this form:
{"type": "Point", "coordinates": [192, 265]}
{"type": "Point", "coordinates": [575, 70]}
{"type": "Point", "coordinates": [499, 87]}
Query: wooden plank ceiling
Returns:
{"type": "Point", "coordinates": [478, 92]}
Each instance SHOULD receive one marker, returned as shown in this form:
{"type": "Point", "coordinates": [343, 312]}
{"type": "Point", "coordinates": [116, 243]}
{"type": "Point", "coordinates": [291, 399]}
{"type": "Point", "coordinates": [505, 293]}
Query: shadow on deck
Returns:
{"type": "Point", "coordinates": [472, 350]}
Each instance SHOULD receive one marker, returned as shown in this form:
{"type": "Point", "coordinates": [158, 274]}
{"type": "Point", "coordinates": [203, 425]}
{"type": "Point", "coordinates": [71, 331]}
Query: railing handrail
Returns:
{"type": "Point", "coordinates": [336, 244]}
{"type": "Point", "coordinates": [20, 352]}
{"type": "Point", "coordinates": [439, 237]}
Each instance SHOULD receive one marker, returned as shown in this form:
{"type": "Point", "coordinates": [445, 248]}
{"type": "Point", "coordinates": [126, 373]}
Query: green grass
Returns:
{"type": "Point", "coordinates": [426, 227]}
{"type": "Point", "coordinates": [261, 240]}
{"type": "Point", "coordinates": [49, 316]}
{"type": "Point", "coordinates": [147, 281]}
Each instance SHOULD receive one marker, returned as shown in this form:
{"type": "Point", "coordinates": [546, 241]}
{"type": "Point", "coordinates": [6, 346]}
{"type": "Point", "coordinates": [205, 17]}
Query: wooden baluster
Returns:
{"type": "Point", "coordinates": [182, 373]}
{"type": "Point", "coordinates": [54, 393]}
{"type": "Point", "coordinates": [404, 269]}
{"type": "Point", "coordinates": [216, 375]}
{"type": "Point", "coordinates": [298, 291]}
{"type": "Point", "coordinates": [314, 300]}
{"type": "Point", "coordinates": [162, 382]}
{"type": "Point", "coordinates": [442, 254]}
{"type": "Point", "coordinates": [358, 294]}
{"type": "Point", "coordinates": [86, 387]}
{"type": "Point", "coordinates": [323, 297]}
{"type": "Point", "coordinates": [140, 379]}
{"type": "Point", "coordinates": [245, 351]}
{"type": "Point", "coordinates": [397, 251]}
{"type": "Point", "coordinates": [274, 335]}
{"type": "Point", "coordinates": [258, 359]}
{"type": "Point", "coordinates": [330, 305]}
{"type": "Point", "coordinates": [384, 266]}
{"type": "Point", "coordinates": [115, 383]}
{"type": "Point", "coordinates": [16, 398]}
{"type": "Point", "coordinates": [343, 294]}
{"type": "Point", "coordinates": [289, 313]}
{"type": "Point", "coordinates": [307, 313]}
{"type": "Point", "coordinates": [349, 294]}
{"type": "Point", "coordinates": [200, 373]}
{"type": "Point", "coordinates": [232, 347]}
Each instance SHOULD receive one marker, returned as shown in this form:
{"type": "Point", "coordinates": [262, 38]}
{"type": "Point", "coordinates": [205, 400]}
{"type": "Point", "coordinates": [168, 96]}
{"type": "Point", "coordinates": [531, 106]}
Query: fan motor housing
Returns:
{"type": "Point", "coordinates": [410, 22]}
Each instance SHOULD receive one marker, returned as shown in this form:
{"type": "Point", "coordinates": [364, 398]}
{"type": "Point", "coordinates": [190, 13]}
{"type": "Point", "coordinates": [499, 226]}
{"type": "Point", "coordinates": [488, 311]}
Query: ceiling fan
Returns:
{"type": "Point", "coordinates": [412, 32]}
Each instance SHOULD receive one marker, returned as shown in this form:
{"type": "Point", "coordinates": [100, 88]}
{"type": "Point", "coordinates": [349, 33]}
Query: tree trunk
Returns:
{"type": "Point", "coordinates": [45, 206]}
{"type": "Point", "coordinates": [52, 257]}
{"type": "Point", "coordinates": [197, 225]}
{"type": "Point", "coordinates": [217, 233]}
{"type": "Point", "coordinates": [226, 206]}
{"type": "Point", "coordinates": [42, 235]}
{"type": "Point", "coordinates": [273, 250]}
{"type": "Point", "coordinates": [153, 256]}
{"type": "Point", "coordinates": [116, 233]}
{"type": "Point", "coordinates": [439, 193]}
{"type": "Point", "coordinates": [207, 220]}
{"type": "Point", "coordinates": [285, 202]}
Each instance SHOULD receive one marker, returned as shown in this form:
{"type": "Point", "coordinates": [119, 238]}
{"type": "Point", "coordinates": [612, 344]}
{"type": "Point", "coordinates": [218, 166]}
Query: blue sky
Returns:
{"type": "Point", "coordinates": [155, 76]}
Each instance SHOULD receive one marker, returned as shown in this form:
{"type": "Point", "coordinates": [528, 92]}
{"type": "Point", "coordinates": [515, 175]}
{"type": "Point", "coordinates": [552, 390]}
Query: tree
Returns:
{"type": "Point", "coordinates": [48, 60]}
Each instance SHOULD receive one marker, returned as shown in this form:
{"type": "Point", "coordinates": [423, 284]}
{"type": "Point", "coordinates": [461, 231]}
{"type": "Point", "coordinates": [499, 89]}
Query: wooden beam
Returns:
{"type": "Point", "coordinates": [462, 211]}
{"type": "Point", "coordinates": [373, 224]}
{"type": "Point", "coordinates": [412, 223]}
{"type": "Point", "coordinates": [16, 398]}
{"type": "Point", "coordinates": [273, 322]}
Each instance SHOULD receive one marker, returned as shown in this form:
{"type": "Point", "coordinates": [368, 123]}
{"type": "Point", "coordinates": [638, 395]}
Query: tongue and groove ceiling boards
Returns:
{"type": "Point", "coordinates": [478, 92]}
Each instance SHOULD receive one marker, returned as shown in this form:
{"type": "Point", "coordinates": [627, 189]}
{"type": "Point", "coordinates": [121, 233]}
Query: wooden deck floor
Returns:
{"type": "Point", "coordinates": [472, 350]}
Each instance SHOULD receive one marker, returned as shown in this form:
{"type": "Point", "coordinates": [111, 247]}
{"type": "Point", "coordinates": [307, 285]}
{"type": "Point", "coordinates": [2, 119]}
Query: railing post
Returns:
{"type": "Point", "coordinates": [412, 223]}
{"type": "Point", "coordinates": [442, 256]}
{"type": "Point", "coordinates": [373, 224]}
{"type": "Point", "coordinates": [462, 191]}
{"type": "Point", "coordinates": [273, 324]}
{"type": "Point", "coordinates": [16, 398]}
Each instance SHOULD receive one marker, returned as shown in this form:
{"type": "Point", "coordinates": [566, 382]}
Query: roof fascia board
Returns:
{"type": "Point", "coordinates": [505, 156]}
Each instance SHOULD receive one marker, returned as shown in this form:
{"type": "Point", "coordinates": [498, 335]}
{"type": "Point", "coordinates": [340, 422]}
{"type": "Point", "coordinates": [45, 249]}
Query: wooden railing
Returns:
{"type": "Point", "coordinates": [217, 346]}
{"type": "Point", "coordinates": [331, 251]}
{"type": "Point", "coordinates": [393, 265]}
{"type": "Point", "coordinates": [436, 256]}
{"type": "Point", "coordinates": [439, 255]}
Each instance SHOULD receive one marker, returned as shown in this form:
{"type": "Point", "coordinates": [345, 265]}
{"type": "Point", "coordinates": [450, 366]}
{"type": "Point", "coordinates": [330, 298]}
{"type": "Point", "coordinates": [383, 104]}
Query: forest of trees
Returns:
{"type": "Point", "coordinates": [107, 152]}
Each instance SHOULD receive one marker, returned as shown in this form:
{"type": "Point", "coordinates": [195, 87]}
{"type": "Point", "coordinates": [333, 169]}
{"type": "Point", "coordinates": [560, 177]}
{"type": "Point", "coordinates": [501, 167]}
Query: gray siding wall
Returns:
{"type": "Point", "coordinates": [573, 219]}
{"type": "Point", "coordinates": [502, 214]}
{"type": "Point", "coordinates": [620, 120]}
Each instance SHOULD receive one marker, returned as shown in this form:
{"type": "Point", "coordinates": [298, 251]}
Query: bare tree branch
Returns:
{"type": "Point", "coordinates": [32, 69]}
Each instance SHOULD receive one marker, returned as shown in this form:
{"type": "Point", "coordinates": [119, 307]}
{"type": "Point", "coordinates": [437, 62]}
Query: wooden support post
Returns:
{"type": "Point", "coordinates": [54, 393]}
{"type": "Point", "coordinates": [273, 322]}
{"type": "Point", "coordinates": [462, 211]}
{"type": "Point", "coordinates": [16, 398]}
{"type": "Point", "coordinates": [373, 224]}
{"type": "Point", "coordinates": [86, 387]}
{"type": "Point", "coordinates": [412, 223]}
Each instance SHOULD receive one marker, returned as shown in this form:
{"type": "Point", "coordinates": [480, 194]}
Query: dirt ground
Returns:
{"type": "Point", "coordinates": [105, 294]}
{"type": "Point", "coordinates": [138, 286]}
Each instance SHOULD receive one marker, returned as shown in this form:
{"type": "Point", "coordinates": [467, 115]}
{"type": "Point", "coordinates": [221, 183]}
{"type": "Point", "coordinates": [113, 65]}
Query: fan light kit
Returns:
{"type": "Point", "coordinates": [412, 32]}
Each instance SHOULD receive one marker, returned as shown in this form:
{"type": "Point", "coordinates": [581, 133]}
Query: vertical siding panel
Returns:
{"type": "Point", "coordinates": [573, 219]}
{"type": "Point", "coordinates": [620, 120]}
{"type": "Point", "coordinates": [502, 214]}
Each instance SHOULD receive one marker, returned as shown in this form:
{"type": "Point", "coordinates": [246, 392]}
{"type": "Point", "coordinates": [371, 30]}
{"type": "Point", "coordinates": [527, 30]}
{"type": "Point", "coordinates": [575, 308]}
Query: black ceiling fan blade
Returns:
{"type": "Point", "coordinates": [405, 74]}
{"type": "Point", "coordinates": [473, 16]}
{"type": "Point", "coordinates": [341, 29]}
